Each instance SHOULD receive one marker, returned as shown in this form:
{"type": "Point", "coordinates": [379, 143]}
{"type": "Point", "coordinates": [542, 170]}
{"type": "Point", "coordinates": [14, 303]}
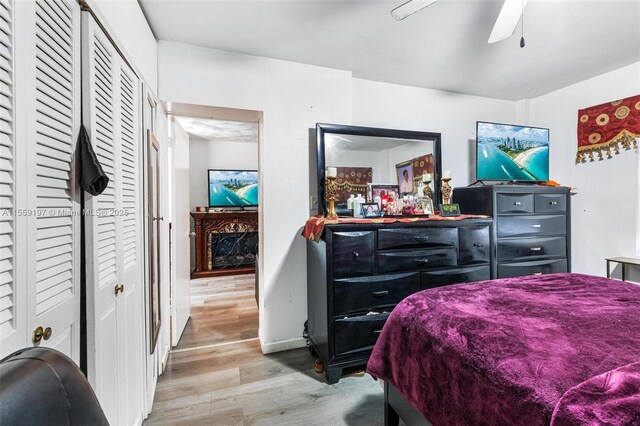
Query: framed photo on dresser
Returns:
{"type": "Point", "coordinates": [405, 177]}
{"type": "Point", "coordinates": [381, 190]}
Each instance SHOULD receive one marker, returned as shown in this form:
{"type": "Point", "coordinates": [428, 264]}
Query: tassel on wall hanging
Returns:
{"type": "Point", "coordinates": [606, 128]}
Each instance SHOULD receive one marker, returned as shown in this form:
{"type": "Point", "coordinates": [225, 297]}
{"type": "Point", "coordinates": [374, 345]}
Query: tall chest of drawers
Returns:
{"type": "Point", "coordinates": [358, 273]}
{"type": "Point", "coordinates": [532, 227]}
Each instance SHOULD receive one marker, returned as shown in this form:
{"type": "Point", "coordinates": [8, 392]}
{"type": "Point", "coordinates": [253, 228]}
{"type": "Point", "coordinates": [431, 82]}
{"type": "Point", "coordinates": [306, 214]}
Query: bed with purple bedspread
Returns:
{"type": "Point", "coordinates": [560, 349]}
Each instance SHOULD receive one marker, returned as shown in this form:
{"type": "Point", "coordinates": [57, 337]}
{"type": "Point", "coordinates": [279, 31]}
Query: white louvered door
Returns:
{"type": "Point", "coordinates": [54, 119]}
{"type": "Point", "coordinates": [10, 335]}
{"type": "Point", "coordinates": [130, 314]}
{"type": "Point", "coordinates": [115, 318]}
{"type": "Point", "coordinates": [39, 121]}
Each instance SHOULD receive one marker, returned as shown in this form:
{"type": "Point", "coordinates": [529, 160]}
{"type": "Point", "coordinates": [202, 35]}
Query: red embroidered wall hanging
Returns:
{"type": "Point", "coordinates": [608, 126]}
{"type": "Point", "coordinates": [352, 180]}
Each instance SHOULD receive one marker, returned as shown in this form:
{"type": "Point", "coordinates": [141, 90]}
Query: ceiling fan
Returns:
{"type": "Point", "coordinates": [504, 27]}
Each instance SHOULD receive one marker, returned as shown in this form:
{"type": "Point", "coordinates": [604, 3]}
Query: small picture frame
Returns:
{"type": "Point", "coordinates": [370, 210]}
{"type": "Point", "coordinates": [381, 190]}
{"type": "Point", "coordinates": [449, 210]}
{"type": "Point", "coordinates": [405, 177]}
{"type": "Point", "coordinates": [427, 207]}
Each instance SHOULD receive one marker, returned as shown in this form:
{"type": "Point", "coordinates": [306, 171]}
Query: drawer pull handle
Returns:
{"type": "Point", "coordinates": [421, 238]}
{"type": "Point", "coordinates": [553, 203]}
{"type": "Point", "coordinates": [536, 225]}
{"type": "Point", "coordinates": [478, 245]}
{"type": "Point", "coordinates": [517, 203]}
{"type": "Point", "coordinates": [537, 273]}
{"type": "Point", "coordinates": [377, 332]}
{"type": "Point", "coordinates": [421, 261]}
{"type": "Point", "coordinates": [380, 293]}
{"type": "Point", "coordinates": [536, 248]}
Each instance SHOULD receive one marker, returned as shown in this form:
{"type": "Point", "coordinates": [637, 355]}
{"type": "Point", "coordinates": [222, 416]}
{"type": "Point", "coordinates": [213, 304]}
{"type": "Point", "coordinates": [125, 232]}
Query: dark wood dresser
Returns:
{"type": "Point", "coordinates": [357, 273]}
{"type": "Point", "coordinates": [532, 226]}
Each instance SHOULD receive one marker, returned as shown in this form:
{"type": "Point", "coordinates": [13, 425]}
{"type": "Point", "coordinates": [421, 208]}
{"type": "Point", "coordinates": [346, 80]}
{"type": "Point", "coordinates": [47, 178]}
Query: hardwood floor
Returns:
{"type": "Point", "coordinates": [233, 383]}
{"type": "Point", "coordinates": [223, 309]}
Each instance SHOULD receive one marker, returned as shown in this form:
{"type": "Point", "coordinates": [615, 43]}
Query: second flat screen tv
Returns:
{"type": "Point", "coordinates": [508, 152]}
{"type": "Point", "coordinates": [233, 188]}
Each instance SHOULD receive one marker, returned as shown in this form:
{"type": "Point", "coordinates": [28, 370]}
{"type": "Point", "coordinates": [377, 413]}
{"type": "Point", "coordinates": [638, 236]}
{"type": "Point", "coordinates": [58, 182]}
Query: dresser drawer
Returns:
{"type": "Point", "coordinates": [550, 203]}
{"type": "Point", "coordinates": [511, 226]}
{"type": "Point", "coordinates": [416, 259]}
{"type": "Point", "coordinates": [364, 293]}
{"type": "Point", "coordinates": [474, 245]}
{"type": "Point", "coordinates": [538, 267]}
{"type": "Point", "coordinates": [416, 237]}
{"type": "Point", "coordinates": [357, 333]}
{"type": "Point", "coordinates": [514, 203]}
{"type": "Point", "coordinates": [353, 253]}
{"type": "Point", "coordinates": [440, 278]}
{"type": "Point", "coordinates": [531, 248]}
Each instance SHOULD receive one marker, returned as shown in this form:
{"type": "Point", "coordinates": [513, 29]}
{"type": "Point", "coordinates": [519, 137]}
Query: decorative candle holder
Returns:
{"type": "Point", "coordinates": [332, 194]}
{"type": "Point", "coordinates": [446, 191]}
{"type": "Point", "coordinates": [426, 191]}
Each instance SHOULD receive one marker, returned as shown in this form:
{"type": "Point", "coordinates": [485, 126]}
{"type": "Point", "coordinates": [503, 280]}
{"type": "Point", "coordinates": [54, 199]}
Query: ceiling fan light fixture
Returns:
{"type": "Point", "coordinates": [409, 8]}
{"type": "Point", "coordinates": [507, 20]}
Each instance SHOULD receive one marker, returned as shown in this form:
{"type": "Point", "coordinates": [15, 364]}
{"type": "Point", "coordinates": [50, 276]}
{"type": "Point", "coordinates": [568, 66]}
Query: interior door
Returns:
{"type": "Point", "coordinates": [52, 88]}
{"type": "Point", "coordinates": [114, 319]}
{"type": "Point", "coordinates": [129, 219]}
{"type": "Point", "coordinates": [12, 325]}
{"type": "Point", "coordinates": [39, 230]}
{"type": "Point", "coordinates": [181, 285]}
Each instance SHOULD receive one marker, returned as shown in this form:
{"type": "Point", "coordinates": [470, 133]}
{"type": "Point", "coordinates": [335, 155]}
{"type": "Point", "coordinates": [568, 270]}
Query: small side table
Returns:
{"type": "Point", "coordinates": [624, 261]}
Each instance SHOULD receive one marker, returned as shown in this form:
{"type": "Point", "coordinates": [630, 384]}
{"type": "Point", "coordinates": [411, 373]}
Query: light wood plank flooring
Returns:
{"type": "Point", "coordinates": [223, 309]}
{"type": "Point", "coordinates": [235, 384]}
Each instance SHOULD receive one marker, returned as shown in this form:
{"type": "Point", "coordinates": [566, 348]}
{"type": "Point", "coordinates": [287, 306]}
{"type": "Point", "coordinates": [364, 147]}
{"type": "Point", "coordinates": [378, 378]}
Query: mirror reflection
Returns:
{"type": "Point", "coordinates": [370, 168]}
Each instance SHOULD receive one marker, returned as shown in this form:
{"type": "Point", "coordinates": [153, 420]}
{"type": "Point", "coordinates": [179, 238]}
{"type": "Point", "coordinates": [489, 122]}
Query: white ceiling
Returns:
{"type": "Point", "coordinates": [339, 142]}
{"type": "Point", "coordinates": [443, 46]}
{"type": "Point", "coordinates": [219, 130]}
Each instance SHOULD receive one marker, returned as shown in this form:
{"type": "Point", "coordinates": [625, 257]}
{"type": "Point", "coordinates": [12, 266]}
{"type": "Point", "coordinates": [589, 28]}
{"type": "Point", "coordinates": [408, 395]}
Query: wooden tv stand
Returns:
{"type": "Point", "coordinates": [212, 225]}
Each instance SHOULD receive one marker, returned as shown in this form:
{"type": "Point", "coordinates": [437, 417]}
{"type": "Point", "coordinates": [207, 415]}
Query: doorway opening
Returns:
{"type": "Point", "coordinates": [215, 196]}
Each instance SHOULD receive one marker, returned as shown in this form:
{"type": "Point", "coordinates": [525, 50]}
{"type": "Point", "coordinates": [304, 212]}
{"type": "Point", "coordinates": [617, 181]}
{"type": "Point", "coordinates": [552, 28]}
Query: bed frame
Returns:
{"type": "Point", "coordinates": [396, 408]}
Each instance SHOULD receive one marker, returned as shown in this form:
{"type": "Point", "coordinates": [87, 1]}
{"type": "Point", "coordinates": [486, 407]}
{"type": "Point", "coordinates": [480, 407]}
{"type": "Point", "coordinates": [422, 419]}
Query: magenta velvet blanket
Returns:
{"type": "Point", "coordinates": [559, 348]}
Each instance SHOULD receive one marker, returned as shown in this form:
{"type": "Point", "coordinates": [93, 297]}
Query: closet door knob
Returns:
{"type": "Point", "coordinates": [37, 334]}
{"type": "Point", "coordinates": [355, 255]}
{"type": "Point", "coordinates": [119, 288]}
{"type": "Point", "coordinates": [47, 333]}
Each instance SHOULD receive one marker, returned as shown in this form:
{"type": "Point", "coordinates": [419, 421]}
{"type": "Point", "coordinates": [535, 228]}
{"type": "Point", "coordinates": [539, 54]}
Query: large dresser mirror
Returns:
{"type": "Point", "coordinates": [364, 157]}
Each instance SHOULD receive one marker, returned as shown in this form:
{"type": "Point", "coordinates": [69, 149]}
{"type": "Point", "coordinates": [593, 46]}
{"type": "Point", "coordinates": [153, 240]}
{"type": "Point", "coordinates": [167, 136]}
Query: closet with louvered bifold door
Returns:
{"type": "Point", "coordinates": [40, 222]}
{"type": "Point", "coordinates": [115, 308]}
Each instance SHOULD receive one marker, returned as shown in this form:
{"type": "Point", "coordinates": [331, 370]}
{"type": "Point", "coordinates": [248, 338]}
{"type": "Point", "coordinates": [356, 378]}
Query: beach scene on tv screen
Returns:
{"type": "Point", "coordinates": [233, 188]}
{"type": "Point", "coordinates": [516, 153]}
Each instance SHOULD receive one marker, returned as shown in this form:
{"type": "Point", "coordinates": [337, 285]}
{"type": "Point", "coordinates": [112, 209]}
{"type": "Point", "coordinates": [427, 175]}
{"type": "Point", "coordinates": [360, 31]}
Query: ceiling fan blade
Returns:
{"type": "Point", "coordinates": [409, 8]}
{"type": "Point", "coordinates": [507, 20]}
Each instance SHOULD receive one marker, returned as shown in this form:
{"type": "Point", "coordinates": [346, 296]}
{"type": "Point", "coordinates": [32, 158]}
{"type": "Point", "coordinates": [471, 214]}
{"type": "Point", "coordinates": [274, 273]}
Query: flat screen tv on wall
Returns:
{"type": "Point", "coordinates": [233, 188]}
{"type": "Point", "coordinates": [506, 152]}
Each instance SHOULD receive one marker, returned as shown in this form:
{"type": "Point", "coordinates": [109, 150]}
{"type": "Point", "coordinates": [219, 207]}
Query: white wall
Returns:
{"type": "Point", "coordinates": [126, 23]}
{"type": "Point", "coordinates": [293, 97]}
{"type": "Point", "coordinates": [605, 209]}
{"type": "Point", "coordinates": [207, 154]}
{"type": "Point", "coordinates": [454, 115]}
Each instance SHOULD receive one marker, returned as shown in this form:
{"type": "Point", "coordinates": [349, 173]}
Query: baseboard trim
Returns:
{"type": "Point", "coordinates": [281, 345]}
